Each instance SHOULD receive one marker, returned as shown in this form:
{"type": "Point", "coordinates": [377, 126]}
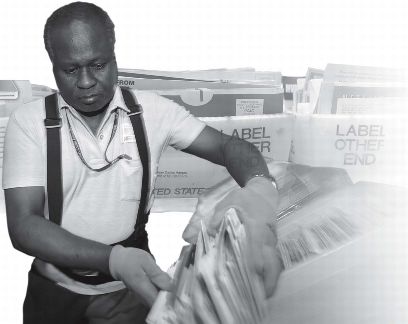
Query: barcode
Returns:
{"type": "Point", "coordinates": [317, 238]}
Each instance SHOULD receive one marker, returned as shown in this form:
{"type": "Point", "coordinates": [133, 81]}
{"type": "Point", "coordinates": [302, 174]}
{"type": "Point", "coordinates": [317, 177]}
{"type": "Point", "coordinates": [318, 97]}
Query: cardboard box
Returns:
{"type": "Point", "coordinates": [224, 75]}
{"type": "Point", "coordinates": [338, 74]}
{"type": "Point", "coordinates": [228, 102]}
{"type": "Point", "coordinates": [213, 93]}
{"type": "Point", "coordinates": [27, 93]}
{"type": "Point", "coordinates": [312, 74]}
{"type": "Point", "coordinates": [369, 147]}
{"type": "Point", "coordinates": [8, 90]}
{"type": "Point", "coordinates": [182, 175]}
{"type": "Point", "coordinates": [215, 99]}
{"type": "Point", "coordinates": [22, 95]}
{"type": "Point", "coordinates": [176, 84]}
{"type": "Point", "coordinates": [289, 86]}
{"type": "Point", "coordinates": [356, 98]}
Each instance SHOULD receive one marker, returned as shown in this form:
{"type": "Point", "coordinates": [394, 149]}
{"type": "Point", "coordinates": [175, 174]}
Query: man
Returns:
{"type": "Point", "coordinates": [101, 178]}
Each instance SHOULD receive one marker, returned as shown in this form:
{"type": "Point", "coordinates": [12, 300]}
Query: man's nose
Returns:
{"type": "Point", "coordinates": [86, 79]}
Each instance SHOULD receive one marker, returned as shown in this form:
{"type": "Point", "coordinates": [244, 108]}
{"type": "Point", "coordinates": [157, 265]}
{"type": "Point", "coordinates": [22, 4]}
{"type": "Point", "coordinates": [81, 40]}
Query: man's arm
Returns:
{"type": "Point", "coordinates": [241, 158]}
{"type": "Point", "coordinates": [256, 202]}
{"type": "Point", "coordinates": [32, 234]}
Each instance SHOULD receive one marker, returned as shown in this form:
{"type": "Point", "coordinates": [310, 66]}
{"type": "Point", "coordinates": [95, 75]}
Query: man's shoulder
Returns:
{"type": "Point", "coordinates": [32, 111]}
{"type": "Point", "coordinates": [154, 103]}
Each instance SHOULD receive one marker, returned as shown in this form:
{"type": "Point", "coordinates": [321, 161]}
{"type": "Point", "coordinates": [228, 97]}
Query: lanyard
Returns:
{"type": "Point", "coordinates": [79, 152]}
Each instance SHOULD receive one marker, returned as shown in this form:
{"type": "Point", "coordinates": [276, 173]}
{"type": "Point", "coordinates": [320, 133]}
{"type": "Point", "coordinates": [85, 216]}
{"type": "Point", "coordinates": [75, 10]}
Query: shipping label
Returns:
{"type": "Point", "coordinates": [245, 107]}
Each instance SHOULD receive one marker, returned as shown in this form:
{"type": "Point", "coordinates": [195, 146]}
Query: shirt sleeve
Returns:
{"type": "Point", "coordinates": [183, 126]}
{"type": "Point", "coordinates": [23, 162]}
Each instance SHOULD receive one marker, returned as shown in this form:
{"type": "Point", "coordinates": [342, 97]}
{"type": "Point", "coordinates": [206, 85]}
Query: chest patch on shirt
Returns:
{"type": "Point", "coordinates": [127, 134]}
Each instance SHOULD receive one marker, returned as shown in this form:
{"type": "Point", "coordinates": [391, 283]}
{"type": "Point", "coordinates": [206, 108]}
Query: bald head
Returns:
{"type": "Point", "coordinates": [73, 13]}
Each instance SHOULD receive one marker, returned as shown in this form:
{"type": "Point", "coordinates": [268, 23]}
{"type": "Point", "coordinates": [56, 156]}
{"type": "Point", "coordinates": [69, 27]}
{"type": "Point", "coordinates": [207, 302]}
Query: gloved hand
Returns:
{"type": "Point", "coordinates": [256, 206]}
{"type": "Point", "coordinates": [208, 201]}
{"type": "Point", "coordinates": [257, 201]}
{"type": "Point", "coordinates": [205, 208]}
{"type": "Point", "coordinates": [139, 272]}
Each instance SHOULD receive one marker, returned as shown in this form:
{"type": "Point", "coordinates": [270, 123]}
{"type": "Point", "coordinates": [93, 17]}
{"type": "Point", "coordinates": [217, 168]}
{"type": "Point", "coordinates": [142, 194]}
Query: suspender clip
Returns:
{"type": "Point", "coordinates": [52, 123]}
{"type": "Point", "coordinates": [137, 112]}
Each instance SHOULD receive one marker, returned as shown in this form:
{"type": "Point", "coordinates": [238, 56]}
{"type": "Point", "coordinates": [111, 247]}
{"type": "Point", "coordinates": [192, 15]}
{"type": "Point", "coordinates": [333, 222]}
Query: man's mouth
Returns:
{"type": "Point", "coordinates": [89, 99]}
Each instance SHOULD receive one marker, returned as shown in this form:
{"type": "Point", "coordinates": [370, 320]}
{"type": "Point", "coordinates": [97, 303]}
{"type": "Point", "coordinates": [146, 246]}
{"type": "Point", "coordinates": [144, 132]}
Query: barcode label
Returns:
{"type": "Point", "coordinates": [319, 237]}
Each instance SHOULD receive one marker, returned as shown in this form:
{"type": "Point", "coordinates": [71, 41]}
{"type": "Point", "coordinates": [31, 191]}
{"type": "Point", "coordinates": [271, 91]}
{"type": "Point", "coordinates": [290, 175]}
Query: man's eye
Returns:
{"type": "Point", "coordinates": [71, 70]}
{"type": "Point", "coordinates": [99, 66]}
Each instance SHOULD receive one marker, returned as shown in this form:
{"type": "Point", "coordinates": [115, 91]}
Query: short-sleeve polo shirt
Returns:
{"type": "Point", "coordinates": [100, 206]}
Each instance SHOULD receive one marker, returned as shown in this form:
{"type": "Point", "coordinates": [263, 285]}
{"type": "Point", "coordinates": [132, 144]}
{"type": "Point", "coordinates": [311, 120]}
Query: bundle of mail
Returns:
{"type": "Point", "coordinates": [212, 282]}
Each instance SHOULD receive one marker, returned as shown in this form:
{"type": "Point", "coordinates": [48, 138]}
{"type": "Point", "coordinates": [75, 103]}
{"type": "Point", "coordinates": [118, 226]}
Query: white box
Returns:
{"type": "Point", "coordinates": [24, 94]}
{"type": "Point", "coordinates": [8, 90]}
{"type": "Point", "coordinates": [379, 78]}
{"type": "Point", "coordinates": [369, 147]}
{"type": "Point", "coordinates": [356, 98]}
{"type": "Point", "coordinates": [184, 175]}
{"type": "Point", "coordinates": [27, 93]}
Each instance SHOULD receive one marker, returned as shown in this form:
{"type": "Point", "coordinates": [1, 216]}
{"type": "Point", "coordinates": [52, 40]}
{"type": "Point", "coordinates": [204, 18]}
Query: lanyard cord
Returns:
{"type": "Point", "coordinates": [79, 152]}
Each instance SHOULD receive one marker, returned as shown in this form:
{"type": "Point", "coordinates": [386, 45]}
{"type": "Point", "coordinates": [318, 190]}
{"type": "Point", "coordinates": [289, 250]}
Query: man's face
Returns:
{"type": "Point", "coordinates": [84, 65]}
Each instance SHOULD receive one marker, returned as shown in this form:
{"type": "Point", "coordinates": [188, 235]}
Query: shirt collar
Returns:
{"type": "Point", "coordinates": [116, 102]}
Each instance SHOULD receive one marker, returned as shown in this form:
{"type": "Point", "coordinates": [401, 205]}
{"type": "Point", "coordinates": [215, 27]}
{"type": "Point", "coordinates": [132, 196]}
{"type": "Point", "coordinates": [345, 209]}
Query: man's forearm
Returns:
{"type": "Point", "coordinates": [243, 160]}
{"type": "Point", "coordinates": [41, 238]}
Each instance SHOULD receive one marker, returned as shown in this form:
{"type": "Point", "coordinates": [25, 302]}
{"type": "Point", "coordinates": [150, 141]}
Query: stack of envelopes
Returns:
{"type": "Point", "coordinates": [212, 282]}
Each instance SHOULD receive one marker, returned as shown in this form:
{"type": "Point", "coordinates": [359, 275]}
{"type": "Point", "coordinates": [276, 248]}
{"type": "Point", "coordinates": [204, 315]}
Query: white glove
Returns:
{"type": "Point", "coordinates": [139, 272]}
{"type": "Point", "coordinates": [205, 208]}
{"type": "Point", "coordinates": [256, 206]}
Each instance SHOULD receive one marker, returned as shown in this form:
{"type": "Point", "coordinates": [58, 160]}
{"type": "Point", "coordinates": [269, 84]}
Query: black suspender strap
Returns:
{"type": "Point", "coordinates": [136, 119]}
{"type": "Point", "coordinates": [54, 175]}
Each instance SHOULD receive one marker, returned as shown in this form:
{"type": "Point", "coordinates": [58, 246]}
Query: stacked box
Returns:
{"type": "Point", "coordinates": [206, 95]}
{"type": "Point", "coordinates": [369, 147]}
{"type": "Point", "coordinates": [228, 102]}
{"type": "Point", "coordinates": [348, 89]}
{"type": "Point", "coordinates": [181, 175]}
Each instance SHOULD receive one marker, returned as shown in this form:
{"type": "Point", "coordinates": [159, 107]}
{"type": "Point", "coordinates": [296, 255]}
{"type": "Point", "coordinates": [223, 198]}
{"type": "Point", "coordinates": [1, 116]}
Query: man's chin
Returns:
{"type": "Point", "coordinates": [91, 109]}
